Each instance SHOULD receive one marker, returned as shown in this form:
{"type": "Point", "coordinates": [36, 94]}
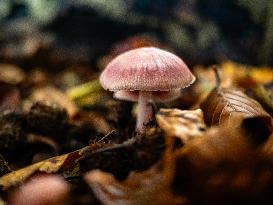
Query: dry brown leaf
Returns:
{"type": "Point", "coordinates": [204, 84]}
{"type": "Point", "coordinates": [184, 124]}
{"type": "Point", "coordinates": [215, 145]}
{"type": "Point", "coordinates": [67, 162]}
{"type": "Point", "coordinates": [55, 96]}
{"type": "Point", "coordinates": [231, 106]}
{"type": "Point", "coordinates": [206, 78]}
{"type": "Point", "coordinates": [268, 147]}
{"type": "Point", "coordinates": [49, 166]}
{"type": "Point", "coordinates": [152, 186]}
{"type": "Point", "coordinates": [223, 165]}
{"type": "Point", "coordinates": [232, 74]}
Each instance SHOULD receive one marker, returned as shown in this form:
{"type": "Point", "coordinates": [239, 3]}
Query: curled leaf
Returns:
{"type": "Point", "coordinates": [206, 78]}
{"type": "Point", "coordinates": [152, 186]}
{"type": "Point", "coordinates": [49, 166]}
{"type": "Point", "coordinates": [223, 165]}
{"type": "Point", "coordinates": [67, 162]}
{"type": "Point", "coordinates": [184, 124]}
{"type": "Point", "coordinates": [268, 147]}
{"type": "Point", "coordinates": [231, 106]}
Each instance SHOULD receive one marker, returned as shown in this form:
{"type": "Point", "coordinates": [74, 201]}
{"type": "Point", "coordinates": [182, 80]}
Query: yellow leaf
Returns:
{"type": "Point", "coordinates": [184, 124]}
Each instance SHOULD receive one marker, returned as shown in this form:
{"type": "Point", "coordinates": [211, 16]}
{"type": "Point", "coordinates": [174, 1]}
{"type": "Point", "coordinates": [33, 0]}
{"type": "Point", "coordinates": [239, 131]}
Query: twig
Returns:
{"type": "Point", "coordinates": [107, 135]}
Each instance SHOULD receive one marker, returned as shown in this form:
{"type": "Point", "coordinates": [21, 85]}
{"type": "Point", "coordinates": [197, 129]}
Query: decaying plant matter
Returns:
{"type": "Point", "coordinates": [211, 144]}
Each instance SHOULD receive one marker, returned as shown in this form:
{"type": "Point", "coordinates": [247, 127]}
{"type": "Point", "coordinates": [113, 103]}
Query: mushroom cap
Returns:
{"type": "Point", "coordinates": [41, 190]}
{"type": "Point", "coordinates": [146, 69]}
{"type": "Point", "coordinates": [158, 96]}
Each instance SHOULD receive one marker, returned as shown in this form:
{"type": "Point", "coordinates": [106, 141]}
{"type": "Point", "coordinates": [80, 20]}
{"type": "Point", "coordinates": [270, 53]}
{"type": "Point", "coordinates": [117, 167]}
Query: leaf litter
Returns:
{"type": "Point", "coordinates": [216, 151]}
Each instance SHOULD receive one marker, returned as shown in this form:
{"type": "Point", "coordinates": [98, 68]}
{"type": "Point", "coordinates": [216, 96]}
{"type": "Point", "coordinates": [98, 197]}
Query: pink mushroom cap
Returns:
{"type": "Point", "coordinates": [41, 190]}
{"type": "Point", "coordinates": [146, 69]}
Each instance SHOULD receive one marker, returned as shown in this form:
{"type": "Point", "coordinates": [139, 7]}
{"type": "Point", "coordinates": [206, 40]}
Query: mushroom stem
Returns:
{"type": "Point", "coordinates": [145, 111]}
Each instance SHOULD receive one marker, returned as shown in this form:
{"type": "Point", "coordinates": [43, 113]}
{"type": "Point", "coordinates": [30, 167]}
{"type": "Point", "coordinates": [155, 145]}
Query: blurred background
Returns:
{"type": "Point", "coordinates": [60, 33]}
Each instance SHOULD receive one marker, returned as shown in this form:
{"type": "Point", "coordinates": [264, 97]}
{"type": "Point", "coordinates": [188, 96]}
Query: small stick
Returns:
{"type": "Point", "coordinates": [125, 144]}
{"type": "Point", "coordinates": [107, 135]}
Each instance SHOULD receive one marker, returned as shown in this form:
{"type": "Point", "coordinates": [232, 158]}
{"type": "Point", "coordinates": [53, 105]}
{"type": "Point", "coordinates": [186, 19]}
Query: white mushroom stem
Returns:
{"type": "Point", "coordinates": [145, 111]}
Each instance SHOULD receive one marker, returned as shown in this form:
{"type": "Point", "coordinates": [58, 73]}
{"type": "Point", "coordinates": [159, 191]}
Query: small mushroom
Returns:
{"type": "Point", "coordinates": [146, 74]}
{"type": "Point", "coordinates": [41, 190]}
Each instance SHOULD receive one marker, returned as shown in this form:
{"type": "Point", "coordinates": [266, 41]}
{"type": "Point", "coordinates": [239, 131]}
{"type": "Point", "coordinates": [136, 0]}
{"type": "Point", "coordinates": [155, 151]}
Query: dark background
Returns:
{"type": "Point", "coordinates": [56, 33]}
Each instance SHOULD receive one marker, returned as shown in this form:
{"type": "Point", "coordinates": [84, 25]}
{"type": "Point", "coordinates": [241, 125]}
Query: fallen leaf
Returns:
{"type": "Point", "coordinates": [226, 104]}
{"type": "Point", "coordinates": [84, 90]}
{"type": "Point", "coordinates": [232, 74]}
{"type": "Point", "coordinates": [223, 165]}
{"type": "Point", "coordinates": [51, 165]}
{"type": "Point", "coordinates": [268, 148]}
{"type": "Point", "coordinates": [152, 187]}
{"type": "Point", "coordinates": [55, 96]}
{"type": "Point", "coordinates": [184, 124]}
{"type": "Point", "coordinates": [204, 84]}
{"type": "Point", "coordinates": [206, 80]}
{"type": "Point", "coordinates": [67, 162]}
{"type": "Point", "coordinates": [258, 128]}
{"type": "Point", "coordinates": [91, 100]}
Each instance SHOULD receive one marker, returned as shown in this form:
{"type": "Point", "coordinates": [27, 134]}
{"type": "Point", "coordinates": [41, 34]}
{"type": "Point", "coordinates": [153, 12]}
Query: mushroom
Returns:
{"type": "Point", "coordinates": [41, 190]}
{"type": "Point", "coordinates": [146, 74]}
